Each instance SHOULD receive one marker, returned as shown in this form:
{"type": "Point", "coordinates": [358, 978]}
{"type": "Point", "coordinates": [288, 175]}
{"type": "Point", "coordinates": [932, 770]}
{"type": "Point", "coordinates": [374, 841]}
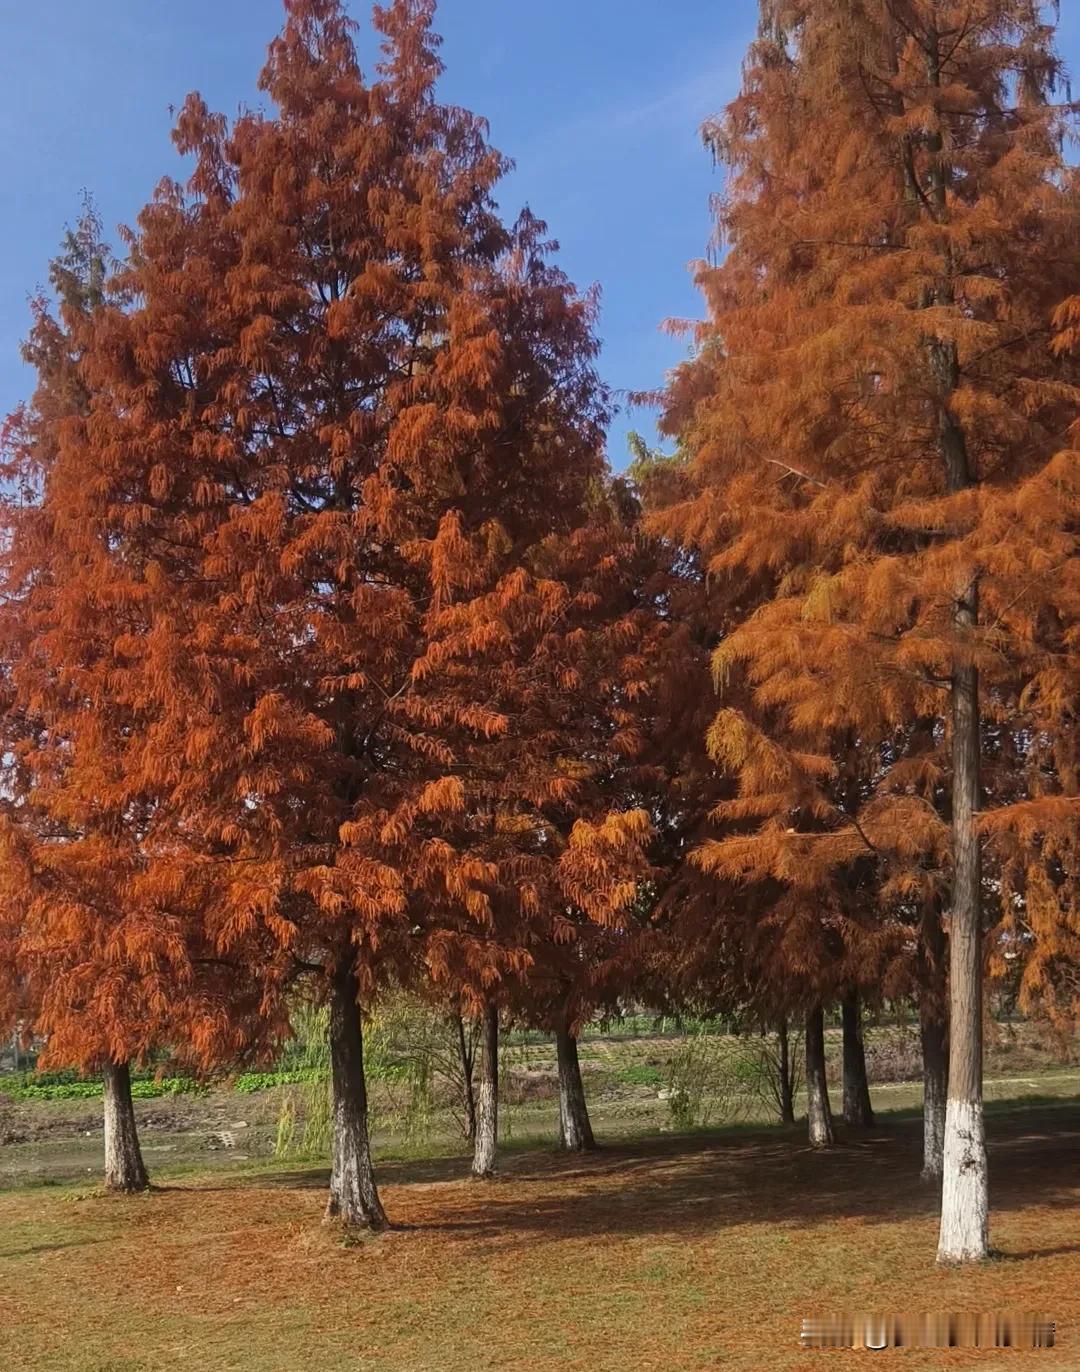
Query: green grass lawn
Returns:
{"type": "Point", "coordinates": [667, 1252]}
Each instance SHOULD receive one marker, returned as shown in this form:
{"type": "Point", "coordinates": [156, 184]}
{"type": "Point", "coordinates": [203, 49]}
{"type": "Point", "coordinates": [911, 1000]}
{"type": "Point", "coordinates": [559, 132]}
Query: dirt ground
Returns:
{"type": "Point", "coordinates": [43, 1141]}
{"type": "Point", "coordinates": [667, 1253]}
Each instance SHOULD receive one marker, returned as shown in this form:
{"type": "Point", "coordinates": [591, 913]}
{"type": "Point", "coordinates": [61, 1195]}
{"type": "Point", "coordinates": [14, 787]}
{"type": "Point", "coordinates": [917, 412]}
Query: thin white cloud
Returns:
{"type": "Point", "coordinates": [683, 105]}
{"type": "Point", "coordinates": [693, 99]}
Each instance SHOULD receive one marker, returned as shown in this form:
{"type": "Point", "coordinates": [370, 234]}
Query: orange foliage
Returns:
{"type": "Point", "coordinates": [903, 240]}
{"type": "Point", "coordinates": [304, 617]}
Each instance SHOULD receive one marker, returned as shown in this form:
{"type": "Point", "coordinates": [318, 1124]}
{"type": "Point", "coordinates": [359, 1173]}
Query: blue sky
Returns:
{"type": "Point", "coordinates": [598, 102]}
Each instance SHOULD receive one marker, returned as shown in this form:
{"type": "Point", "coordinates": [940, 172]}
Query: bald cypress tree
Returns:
{"type": "Point", "coordinates": [879, 462]}
{"type": "Point", "coordinates": [63, 862]}
{"type": "Point", "coordinates": [297, 499]}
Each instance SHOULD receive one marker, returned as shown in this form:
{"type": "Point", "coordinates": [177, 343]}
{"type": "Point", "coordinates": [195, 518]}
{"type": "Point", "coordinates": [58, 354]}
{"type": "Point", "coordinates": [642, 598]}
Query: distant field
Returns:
{"type": "Point", "coordinates": [625, 1077]}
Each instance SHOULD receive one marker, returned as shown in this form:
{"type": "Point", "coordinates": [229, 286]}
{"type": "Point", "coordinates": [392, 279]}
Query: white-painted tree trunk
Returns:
{"type": "Point", "coordinates": [934, 1037]}
{"type": "Point", "coordinates": [964, 1186]}
{"type": "Point", "coordinates": [818, 1111]}
{"type": "Point", "coordinates": [965, 1209]}
{"type": "Point", "coordinates": [935, 1069]}
{"type": "Point", "coordinates": [964, 1235]}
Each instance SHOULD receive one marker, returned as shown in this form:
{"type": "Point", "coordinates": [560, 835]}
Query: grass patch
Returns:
{"type": "Point", "coordinates": [673, 1252]}
{"type": "Point", "coordinates": [639, 1074]}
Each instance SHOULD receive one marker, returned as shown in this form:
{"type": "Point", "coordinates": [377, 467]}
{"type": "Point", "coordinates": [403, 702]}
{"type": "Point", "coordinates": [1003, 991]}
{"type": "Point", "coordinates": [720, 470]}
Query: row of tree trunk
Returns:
{"type": "Point", "coordinates": [354, 1198]}
{"type": "Point", "coordinates": [858, 1111]}
{"type": "Point", "coordinates": [575, 1128]}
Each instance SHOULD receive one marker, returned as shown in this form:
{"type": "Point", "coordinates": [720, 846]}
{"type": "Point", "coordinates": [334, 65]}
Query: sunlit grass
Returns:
{"type": "Point", "coordinates": [673, 1253]}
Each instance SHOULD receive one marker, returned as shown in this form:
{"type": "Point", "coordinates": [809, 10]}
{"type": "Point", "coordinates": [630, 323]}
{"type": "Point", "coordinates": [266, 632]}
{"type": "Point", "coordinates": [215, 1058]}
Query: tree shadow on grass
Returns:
{"type": "Point", "coordinates": [701, 1183]}
{"type": "Point", "coordinates": [1026, 1254]}
{"type": "Point", "coordinates": [698, 1185]}
{"type": "Point", "coordinates": [37, 1248]}
{"type": "Point", "coordinates": [422, 1172]}
{"type": "Point", "coordinates": [316, 1176]}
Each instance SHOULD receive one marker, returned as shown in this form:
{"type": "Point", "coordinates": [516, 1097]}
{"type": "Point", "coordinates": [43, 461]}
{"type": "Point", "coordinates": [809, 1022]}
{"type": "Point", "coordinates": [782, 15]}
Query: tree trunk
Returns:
{"type": "Point", "coordinates": [487, 1102]}
{"type": "Point", "coordinates": [786, 1083]}
{"type": "Point", "coordinates": [468, 1095]}
{"type": "Point", "coordinates": [575, 1130]}
{"type": "Point", "coordinates": [819, 1115]}
{"type": "Point", "coordinates": [858, 1111]}
{"type": "Point", "coordinates": [934, 1034]}
{"type": "Point", "coordinates": [964, 1189]}
{"type": "Point", "coordinates": [935, 1055]}
{"type": "Point", "coordinates": [354, 1197]}
{"type": "Point", "coordinates": [124, 1166]}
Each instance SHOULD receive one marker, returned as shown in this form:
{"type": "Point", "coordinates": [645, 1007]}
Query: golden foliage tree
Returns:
{"type": "Point", "coordinates": [881, 469]}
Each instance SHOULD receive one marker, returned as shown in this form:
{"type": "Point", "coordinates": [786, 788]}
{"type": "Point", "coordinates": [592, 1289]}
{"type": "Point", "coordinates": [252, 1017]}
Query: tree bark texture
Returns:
{"type": "Point", "coordinates": [487, 1097]}
{"type": "Point", "coordinates": [818, 1112]}
{"type": "Point", "coordinates": [124, 1166]}
{"type": "Point", "coordinates": [575, 1130]}
{"type": "Point", "coordinates": [858, 1112]}
{"type": "Point", "coordinates": [354, 1197]}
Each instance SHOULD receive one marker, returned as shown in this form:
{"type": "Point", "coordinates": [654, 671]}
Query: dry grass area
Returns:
{"type": "Point", "coordinates": [671, 1253]}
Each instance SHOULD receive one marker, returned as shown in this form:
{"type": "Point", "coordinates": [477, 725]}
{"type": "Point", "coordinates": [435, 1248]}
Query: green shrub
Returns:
{"type": "Point", "coordinates": [706, 1081]}
{"type": "Point", "coordinates": [639, 1074]}
{"type": "Point", "coordinates": [265, 1081]}
{"type": "Point", "coordinates": [71, 1090]}
{"type": "Point", "coordinates": [142, 1088]}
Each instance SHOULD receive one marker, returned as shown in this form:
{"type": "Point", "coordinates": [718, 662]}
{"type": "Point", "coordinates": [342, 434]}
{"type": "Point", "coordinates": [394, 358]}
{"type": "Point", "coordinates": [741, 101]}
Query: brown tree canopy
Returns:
{"type": "Point", "coordinates": [102, 950]}
{"type": "Point", "coordinates": [889, 291]}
